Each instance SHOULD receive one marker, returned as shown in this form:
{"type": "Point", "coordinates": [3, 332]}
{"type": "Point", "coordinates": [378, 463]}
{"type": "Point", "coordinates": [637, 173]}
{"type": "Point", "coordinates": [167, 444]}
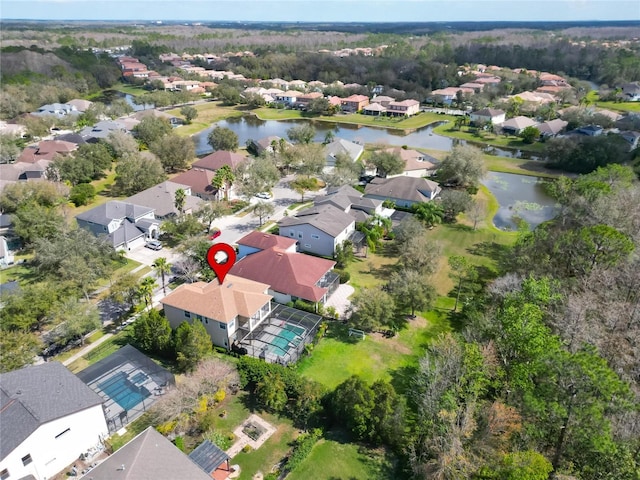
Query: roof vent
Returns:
{"type": "Point", "coordinates": [230, 285]}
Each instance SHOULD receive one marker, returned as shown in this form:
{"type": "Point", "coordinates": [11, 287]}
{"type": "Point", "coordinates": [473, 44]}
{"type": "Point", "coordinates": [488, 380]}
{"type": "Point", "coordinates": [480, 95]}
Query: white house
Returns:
{"type": "Point", "coordinates": [228, 312]}
{"type": "Point", "coordinates": [488, 115]}
{"type": "Point", "coordinates": [48, 417]}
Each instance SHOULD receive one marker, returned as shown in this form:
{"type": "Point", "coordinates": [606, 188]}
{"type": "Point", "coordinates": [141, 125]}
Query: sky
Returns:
{"type": "Point", "coordinates": [323, 10]}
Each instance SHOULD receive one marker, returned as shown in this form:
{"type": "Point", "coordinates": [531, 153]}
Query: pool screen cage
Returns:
{"type": "Point", "coordinates": [282, 337]}
{"type": "Point", "coordinates": [130, 383]}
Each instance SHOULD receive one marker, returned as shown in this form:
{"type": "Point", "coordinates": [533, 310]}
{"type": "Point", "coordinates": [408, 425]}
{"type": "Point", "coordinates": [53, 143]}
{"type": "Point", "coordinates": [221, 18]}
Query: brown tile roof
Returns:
{"type": "Point", "coordinates": [290, 273]}
{"type": "Point", "coordinates": [219, 159]}
{"type": "Point", "coordinates": [236, 296]}
{"type": "Point", "coordinates": [356, 98]}
{"type": "Point", "coordinates": [263, 241]}
{"type": "Point", "coordinates": [46, 150]}
{"type": "Point", "coordinates": [413, 159]}
{"type": "Point", "coordinates": [198, 179]}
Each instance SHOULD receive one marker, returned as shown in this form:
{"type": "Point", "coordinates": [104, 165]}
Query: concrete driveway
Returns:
{"type": "Point", "coordinates": [146, 256]}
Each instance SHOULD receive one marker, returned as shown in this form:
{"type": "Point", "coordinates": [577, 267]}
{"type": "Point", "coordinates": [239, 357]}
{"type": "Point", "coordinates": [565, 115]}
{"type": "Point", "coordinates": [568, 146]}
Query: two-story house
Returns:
{"type": "Point", "coordinates": [229, 312]}
{"type": "Point", "coordinates": [48, 417]}
{"type": "Point", "coordinates": [404, 108]}
{"type": "Point", "coordinates": [162, 198]}
{"type": "Point", "coordinates": [127, 225]}
{"type": "Point", "coordinates": [354, 103]}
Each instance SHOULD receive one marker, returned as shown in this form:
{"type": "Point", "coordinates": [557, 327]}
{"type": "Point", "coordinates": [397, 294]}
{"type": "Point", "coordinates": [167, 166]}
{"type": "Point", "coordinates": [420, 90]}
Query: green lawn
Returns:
{"type": "Point", "coordinates": [510, 141]}
{"type": "Point", "coordinates": [624, 107]}
{"type": "Point", "coordinates": [208, 114]}
{"type": "Point", "coordinates": [399, 123]}
{"type": "Point", "coordinates": [22, 273]}
{"type": "Point", "coordinates": [338, 460]}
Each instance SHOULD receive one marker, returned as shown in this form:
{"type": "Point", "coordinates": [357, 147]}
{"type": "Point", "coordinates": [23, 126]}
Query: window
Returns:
{"type": "Point", "coordinates": [4, 474]}
{"type": "Point", "coordinates": [26, 460]}
{"type": "Point", "coordinates": [291, 234]}
{"type": "Point", "coordinates": [187, 314]}
{"type": "Point", "coordinates": [222, 326]}
{"type": "Point", "coordinates": [206, 320]}
{"type": "Point", "coordinates": [299, 234]}
{"type": "Point", "coordinates": [315, 236]}
{"type": "Point", "coordinates": [61, 434]}
{"type": "Point", "coordinates": [232, 324]}
{"type": "Point", "coordinates": [306, 245]}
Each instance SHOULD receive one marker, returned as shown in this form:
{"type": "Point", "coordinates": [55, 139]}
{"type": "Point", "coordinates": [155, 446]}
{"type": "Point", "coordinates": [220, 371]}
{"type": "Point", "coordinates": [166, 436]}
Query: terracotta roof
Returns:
{"type": "Point", "coordinates": [375, 107]}
{"type": "Point", "coordinates": [219, 159]}
{"type": "Point", "coordinates": [413, 159]}
{"type": "Point", "coordinates": [294, 274]}
{"type": "Point", "coordinates": [263, 241]}
{"type": "Point", "coordinates": [236, 296]}
{"type": "Point", "coordinates": [356, 98]}
{"type": "Point", "coordinates": [519, 123]}
{"type": "Point", "coordinates": [46, 150]}
{"type": "Point", "coordinates": [198, 179]}
{"type": "Point", "coordinates": [552, 127]}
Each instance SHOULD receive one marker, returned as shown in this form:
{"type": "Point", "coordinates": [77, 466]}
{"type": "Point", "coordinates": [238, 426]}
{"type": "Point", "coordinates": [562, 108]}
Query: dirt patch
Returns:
{"type": "Point", "coordinates": [395, 343]}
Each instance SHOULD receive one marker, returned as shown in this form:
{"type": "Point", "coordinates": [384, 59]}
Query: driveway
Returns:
{"type": "Point", "coordinates": [146, 256]}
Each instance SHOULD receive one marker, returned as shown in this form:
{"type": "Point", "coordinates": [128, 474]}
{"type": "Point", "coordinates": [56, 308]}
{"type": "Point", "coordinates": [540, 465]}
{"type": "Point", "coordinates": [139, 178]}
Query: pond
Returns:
{"type": "Point", "coordinates": [108, 96]}
{"type": "Point", "coordinates": [250, 127]}
{"type": "Point", "coordinates": [520, 197]}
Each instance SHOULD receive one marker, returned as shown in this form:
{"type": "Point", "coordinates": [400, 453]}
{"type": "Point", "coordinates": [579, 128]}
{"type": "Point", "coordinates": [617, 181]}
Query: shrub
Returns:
{"type": "Point", "coordinates": [306, 306]}
{"type": "Point", "coordinates": [237, 205]}
{"type": "Point", "coordinates": [207, 421]}
{"type": "Point", "coordinates": [302, 447]}
{"type": "Point", "coordinates": [219, 396]}
{"type": "Point", "coordinates": [167, 428]}
{"type": "Point", "coordinates": [222, 441]}
{"type": "Point", "coordinates": [179, 442]}
{"type": "Point", "coordinates": [246, 448]}
{"type": "Point", "coordinates": [82, 194]}
{"type": "Point", "coordinates": [389, 204]}
{"type": "Point", "coordinates": [344, 276]}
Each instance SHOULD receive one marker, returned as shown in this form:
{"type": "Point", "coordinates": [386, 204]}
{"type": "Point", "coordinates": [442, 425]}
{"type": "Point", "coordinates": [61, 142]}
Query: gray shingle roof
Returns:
{"type": "Point", "coordinates": [115, 209]}
{"type": "Point", "coordinates": [405, 188]}
{"type": "Point", "coordinates": [326, 218]}
{"type": "Point", "coordinates": [162, 198]}
{"type": "Point", "coordinates": [148, 456]}
{"type": "Point", "coordinates": [338, 146]}
{"type": "Point", "coordinates": [35, 395]}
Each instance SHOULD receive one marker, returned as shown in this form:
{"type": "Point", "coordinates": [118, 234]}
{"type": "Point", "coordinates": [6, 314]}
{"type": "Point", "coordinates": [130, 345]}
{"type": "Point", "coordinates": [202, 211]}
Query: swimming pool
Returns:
{"type": "Point", "coordinates": [289, 334]}
{"type": "Point", "coordinates": [299, 331]}
{"type": "Point", "coordinates": [122, 391]}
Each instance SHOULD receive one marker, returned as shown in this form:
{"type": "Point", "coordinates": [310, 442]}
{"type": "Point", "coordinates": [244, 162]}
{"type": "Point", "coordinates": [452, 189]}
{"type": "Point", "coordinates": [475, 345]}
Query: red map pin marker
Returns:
{"type": "Point", "coordinates": [221, 268]}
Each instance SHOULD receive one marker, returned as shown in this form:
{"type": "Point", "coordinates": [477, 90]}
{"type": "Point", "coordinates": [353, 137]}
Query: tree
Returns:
{"type": "Point", "coordinates": [528, 465]}
{"type": "Point", "coordinates": [151, 129]}
{"type": "Point", "coordinates": [453, 203]}
{"type": "Point", "coordinates": [372, 308]}
{"type": "Point", "coordinates": [387, 163]}
{"type": "Point", "coordinates": [222, 138]}
{"type": "Point", "coordinates": [152, 332]}
{"type": "Point", "coordinates": [82, 194]}
{"type": "Point", "coordinates": [229, 96]}
{"type": "Point", "coordinates": [310, 157]}
{"type": "Point", "coordinates": [122, 144]}
{"type": "Point", "coordinates": [163, 267]}
{"type": "Point", "coordinates": [419, 253]}
{"type": "Point", "coordinates": [430, 213]}
{"type": "Point", "coordinates": [320, 106]}
{"type": "Point", "coordinates": [74, 319]}
{"type": "Point", "coordinates": [263, 210]}
{"type": "Point", "coordinates": [178, 229]}
{"type": "Point", "coordinates": [270, 392]}
{"type": "Point", "coordinates": [88, 163]}
{"type": "Point", "coordinates": [351, 404]}
{"type": "Point", "coordinates": [179, 199]}
{"type": "Point", "coordinates": [209, 212]}
{"type": "Point", "coordinates": [9, 151]}
{"type": "Point", "coordinates": [174, 151]}
{"type": "Point", "coordinates": [189, 113]}
{"type": "Point", "coordinates": [261, 175]}
{"type": "Point", "coordinates": [192, 344]}
{"type": "Point", "coordinates": [223, 180]}
{"type": "Point", "coordinates": [464, 166]}
{"type": "Point", "coordinates": [477, 212]}
{"type": "Point", "coordinates": [464, 272]}
{"type": "Point", "coordinates": [17, 349]}
{"type": "Point", "coordinates": [529, 134]}
{"type": "Point", "coordinates": [303, 133]}
{"type": "Point", "coordinates": [135, 173]}
{"type": "Point", "coordinates": [344, 254]}
{"type": "Point", "coordinates": [32, 222]}
{"type": "Point", "coordinates": [411, 290]}
{"type": "Point", "coordinates": [304, 184]}
{"type": "Point", "coordinates": [124, 290]}
{"type": "Point", "coordinates": [145, 290]}
{"type": "Point", "coordinates": [28, 309]}
{"type": "Point", "coordinates": [76, 257]}
{"type": "Point", "coordinates": [45, 194]}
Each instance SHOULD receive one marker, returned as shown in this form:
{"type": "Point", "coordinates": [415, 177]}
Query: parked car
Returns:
{"type": "Point", "coordinates": [154, 245]}
{"type": "Point", "coordinates": [264, 195]}
{"type": "Point", "coordinates": [215, 234]}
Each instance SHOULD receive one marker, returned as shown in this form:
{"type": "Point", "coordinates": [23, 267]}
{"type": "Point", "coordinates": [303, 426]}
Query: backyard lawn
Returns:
{"type": "Point", "coordinates": [510, 141]}
{"type": "Point", "coordinates": [333, 459]}
{"type": "Point", "coordinates": [208, 114]}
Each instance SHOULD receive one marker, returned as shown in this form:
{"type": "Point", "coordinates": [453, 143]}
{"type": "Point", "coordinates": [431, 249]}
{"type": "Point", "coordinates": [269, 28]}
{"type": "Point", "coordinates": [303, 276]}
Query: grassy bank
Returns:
{"type": "Point", "coordinates": [506, 141]}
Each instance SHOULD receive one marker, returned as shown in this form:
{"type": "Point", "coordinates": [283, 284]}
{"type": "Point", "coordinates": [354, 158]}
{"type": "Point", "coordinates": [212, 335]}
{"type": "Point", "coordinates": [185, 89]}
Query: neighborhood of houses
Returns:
{"type": "Point", "coordinates": [53, 420]}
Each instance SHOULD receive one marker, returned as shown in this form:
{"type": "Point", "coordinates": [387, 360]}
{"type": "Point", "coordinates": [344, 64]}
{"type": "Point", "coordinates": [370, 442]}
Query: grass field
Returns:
{"type": "Point", "coordinates": [510, 141]}
{"type": "Point", "coordinates": [399, 123]}
{"type": "Point", "coordinates": [624, 107]}
{"type": "Point", "coordinates": [333, 459]}
{"type": "Point", "coordinates": [208, 114]}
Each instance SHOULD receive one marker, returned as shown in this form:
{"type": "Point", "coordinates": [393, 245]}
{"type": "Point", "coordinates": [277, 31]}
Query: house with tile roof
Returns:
{"type": "Point", "coordinates": [257, 241]}
{"type": "Point", "coordinates": [267, 144]}
{"type": "Point", "coordinates": [404, 108]}
{"type": "Point", "coordinates": [199, 180]}
{"type": "Point", "coordinates": [46, 150]}
{"type": "Point", "coordinates": [354, 103]}
{"type": "Point", "coordinates": [125, 224]}
{"type": "Point", "coordinates": [404, 191]}
{"type": "Point", "coordinates": [383, 100]}
{"type": "Point", "coordinates": [228, 312]}
{"type": "Point", "coordinates": [416, 164]}
{"type": "Point", "coordinates": [290, 275]}
{"type": "Point", "coordinates": [48, 416]}
{"type": "Point", "coordinates": [162, 198]}
{"type": "Point", "coordinates": [148, 455]}
{"type": "Point", "coordinates": [552, 128]}
{"type": "Point", "coordinates": [516, 125]}
{"type": "Point", "coordinates": [319, 229]}
{"type": "Point", "coordinates": [375, 109]}
{"type": "Point", "coordinates": [219, 159]}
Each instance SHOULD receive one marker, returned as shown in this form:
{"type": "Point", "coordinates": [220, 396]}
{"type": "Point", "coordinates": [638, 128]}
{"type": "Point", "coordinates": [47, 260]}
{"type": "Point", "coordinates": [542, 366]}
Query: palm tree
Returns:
{"type": "Point", "coordinates": [224, 178]}
{"type": "Point", "coordinates": [145, 290]}
{"type": "Point", "coordinates": [429, 212]}
{"type": "Point", "coordinates": [162, 266]}
{"type": "Point", "coordinates": [180, 199]}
